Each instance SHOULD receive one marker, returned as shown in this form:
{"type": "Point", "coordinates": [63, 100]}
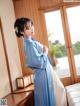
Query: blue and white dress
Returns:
{"type": "Point", "coordinates": [43, 83]}
{"type": "Point", "coordinates": [48, 89]}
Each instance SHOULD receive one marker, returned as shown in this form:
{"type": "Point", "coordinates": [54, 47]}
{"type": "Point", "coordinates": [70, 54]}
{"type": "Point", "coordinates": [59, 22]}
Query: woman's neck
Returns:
{"type": "Point", "coordinates": [28, 37]}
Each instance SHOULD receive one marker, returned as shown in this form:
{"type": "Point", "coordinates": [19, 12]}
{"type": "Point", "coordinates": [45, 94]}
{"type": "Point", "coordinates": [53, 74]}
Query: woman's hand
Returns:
{"type": "Point", "coordinates": [45, 49]}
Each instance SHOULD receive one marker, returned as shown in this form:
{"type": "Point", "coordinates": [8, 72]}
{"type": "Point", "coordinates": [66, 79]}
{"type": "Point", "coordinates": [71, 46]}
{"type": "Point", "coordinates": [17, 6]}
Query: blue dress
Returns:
{"type": "Point", "coordinates": [38, 61]}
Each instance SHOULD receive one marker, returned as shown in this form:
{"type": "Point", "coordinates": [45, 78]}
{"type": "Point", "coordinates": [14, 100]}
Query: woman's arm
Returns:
{"type": "Point", "coordinates": [43, 47]}
{"type": "Point", "coordinates": [35, 57]}
{"type": "Point", "coordinates": [39, 60]}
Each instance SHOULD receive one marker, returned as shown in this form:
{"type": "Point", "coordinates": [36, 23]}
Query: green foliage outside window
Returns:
{"type": "Point", "coordinates": [59, 50]}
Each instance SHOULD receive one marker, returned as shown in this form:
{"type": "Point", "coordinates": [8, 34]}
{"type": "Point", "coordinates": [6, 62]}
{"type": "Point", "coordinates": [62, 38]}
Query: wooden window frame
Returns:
{"type": "Point", "coordinates": [62, 7]}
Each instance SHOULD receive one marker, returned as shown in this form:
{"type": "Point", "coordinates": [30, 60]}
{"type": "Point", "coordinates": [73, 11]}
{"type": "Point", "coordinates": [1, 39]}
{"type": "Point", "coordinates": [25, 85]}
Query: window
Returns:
{"type": "Point", "coordinates": [57, 42]}
{"type": "Point", "coordinates": [73, 15]}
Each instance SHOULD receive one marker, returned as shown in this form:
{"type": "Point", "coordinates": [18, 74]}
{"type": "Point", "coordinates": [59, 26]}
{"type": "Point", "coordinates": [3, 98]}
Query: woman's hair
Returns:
{"type": "Point", "coordinates": [20, 24]}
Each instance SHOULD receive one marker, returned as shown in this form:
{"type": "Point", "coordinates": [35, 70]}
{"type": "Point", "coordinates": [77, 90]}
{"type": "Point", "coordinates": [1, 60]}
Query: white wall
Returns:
{"type": "Point", "coordinates": [4, 80]}
{"type": "Point", "coordinates": [8, 18]}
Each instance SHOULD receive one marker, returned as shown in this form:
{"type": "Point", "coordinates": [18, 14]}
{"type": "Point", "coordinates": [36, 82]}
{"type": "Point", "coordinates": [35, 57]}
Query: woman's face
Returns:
{"type": "Point", "coordinates": [29, 30]}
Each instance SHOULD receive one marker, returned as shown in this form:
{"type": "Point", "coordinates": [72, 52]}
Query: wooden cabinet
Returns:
{"type": "Point", "coordinates": [30, 101]}
{"type": "Point", "coordinates": [23, 97]}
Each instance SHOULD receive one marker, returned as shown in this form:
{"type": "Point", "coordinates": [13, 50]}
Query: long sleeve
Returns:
{"type": "Point", "coordinates": [34, 56]}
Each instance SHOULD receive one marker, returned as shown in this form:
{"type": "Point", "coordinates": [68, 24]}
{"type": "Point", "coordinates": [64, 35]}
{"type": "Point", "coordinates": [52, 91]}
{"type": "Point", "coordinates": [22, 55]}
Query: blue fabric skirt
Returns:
{"type": "Point", "coordinates": [43, 88]}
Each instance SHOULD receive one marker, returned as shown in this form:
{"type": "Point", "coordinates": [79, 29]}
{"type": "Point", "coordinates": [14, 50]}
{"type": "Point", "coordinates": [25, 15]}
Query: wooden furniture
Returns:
{"type": "Point", "coordinates": [22, 97]}
{"type": "Point", "coordinates": [26, 89]}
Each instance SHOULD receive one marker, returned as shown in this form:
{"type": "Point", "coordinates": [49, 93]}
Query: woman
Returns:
{"type": "Point", "coordinates": [36, 59]}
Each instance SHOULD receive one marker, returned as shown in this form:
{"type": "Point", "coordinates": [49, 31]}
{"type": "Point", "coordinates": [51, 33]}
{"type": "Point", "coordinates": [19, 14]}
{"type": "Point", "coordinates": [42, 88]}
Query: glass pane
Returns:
{"type": "Point", "coordinates": [74, 25]}
{"type": "Point", "coordinates": [57, 43]}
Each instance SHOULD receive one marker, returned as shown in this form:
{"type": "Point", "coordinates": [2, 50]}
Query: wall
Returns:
{"type": "Point", "coordinates": [49, 3]}
{"type": "Point", "coordinates": [7, 18]}
{"type": "Point", "coordinates": [4, 87]}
